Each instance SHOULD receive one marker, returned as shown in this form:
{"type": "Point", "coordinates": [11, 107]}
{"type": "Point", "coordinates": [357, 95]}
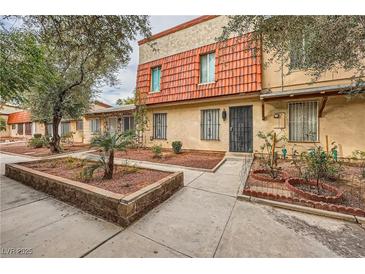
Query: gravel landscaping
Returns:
{"type": "Point", "coordinates": [23, 149]}
{"type": "Point", "coordinates": [196, 159]}
{"type": "Point", "coordinates": [126, 179]}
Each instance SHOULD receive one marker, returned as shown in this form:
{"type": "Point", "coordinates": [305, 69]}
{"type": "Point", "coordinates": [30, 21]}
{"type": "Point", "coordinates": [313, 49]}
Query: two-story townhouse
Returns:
{"type": "Point", "coordinates": [217, 95]}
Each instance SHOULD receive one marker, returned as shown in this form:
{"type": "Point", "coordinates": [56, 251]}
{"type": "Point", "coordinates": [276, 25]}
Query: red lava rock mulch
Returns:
{"type": "Point", "coordinates": [23, 149]}
{"type": "Point", "coordinates": [197, 159]}
{"type": "Point", "coordinates": [126, 179]}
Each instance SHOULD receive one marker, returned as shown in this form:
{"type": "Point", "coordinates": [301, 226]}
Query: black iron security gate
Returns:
{"type": "Point", "coordinates": [240, 129]}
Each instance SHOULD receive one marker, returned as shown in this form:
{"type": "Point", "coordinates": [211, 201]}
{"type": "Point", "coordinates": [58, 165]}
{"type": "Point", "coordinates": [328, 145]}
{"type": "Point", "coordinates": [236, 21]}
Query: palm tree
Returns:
{"type": "Point", "coordinates": [109, 143]}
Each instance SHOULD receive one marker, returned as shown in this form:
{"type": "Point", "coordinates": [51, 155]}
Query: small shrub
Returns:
{"type": "Point", "coordinates": [130, 169]}
{"type": "Point", "coordinates": [360, 156]}
{"type": "Point", "coordinates": [36, 142]}
{"type": "Point", "coordinates": [269, 157]}
{"type": "Point", "coordinates": [176, 146]}
{"type": "Point", "coordinates": [68, 138]}
{"type": "Point", "coordinates": [157, 151]}
{"type": "Point", "coordinates": [71, 162]}
{"type": "Point", "coordinates": [37, 135]}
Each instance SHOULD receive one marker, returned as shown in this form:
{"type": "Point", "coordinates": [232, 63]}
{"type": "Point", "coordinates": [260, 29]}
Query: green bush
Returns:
{"type": "Point", "coordinates": [157, 151]}
{"type": "Point", "coordinates": [37, 135]}
{"type": "Point", "coordinates": [38, 142]}
{"type": "Point", "coordinates": [35, 142]}
{"type": "Point", "coordinates": [176, 146]}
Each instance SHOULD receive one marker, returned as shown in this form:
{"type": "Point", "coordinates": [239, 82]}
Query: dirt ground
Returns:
{"type": "Point", "coordinates": [126, 179]}
{"type": "Point", "coordinates": [23, 149]}
{"type": "Point", "coordinates": [349, 180]}
{"type": "Point", "coordinates": [197, 159]}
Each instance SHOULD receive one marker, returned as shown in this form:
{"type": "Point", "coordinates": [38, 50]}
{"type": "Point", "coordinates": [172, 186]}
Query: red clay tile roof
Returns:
{"type": "Point", "coordinates": [237, 70]}
{"type": "Point", "coordinates": [182, 26]}
{"type": "Point", "coordinates": [19, 117]}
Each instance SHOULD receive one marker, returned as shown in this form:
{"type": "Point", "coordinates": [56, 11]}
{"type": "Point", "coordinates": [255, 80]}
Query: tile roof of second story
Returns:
{"type": "Point", "coordinates": [234, 66]}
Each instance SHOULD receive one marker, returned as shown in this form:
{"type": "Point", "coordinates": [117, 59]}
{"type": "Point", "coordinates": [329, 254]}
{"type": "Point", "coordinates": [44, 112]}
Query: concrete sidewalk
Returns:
{"type": "Point", "coordinates": [204, 219]}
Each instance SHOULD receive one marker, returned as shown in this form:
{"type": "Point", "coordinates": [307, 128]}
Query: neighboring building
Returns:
{"type": "Point", "coordinates": [20, 124]}
{"type": "Point", "coordinates": [217, 95]}
{"type": "Point", "coordinates": [5, 111]}
{"type": "Point", "coordinates": [114, 119]}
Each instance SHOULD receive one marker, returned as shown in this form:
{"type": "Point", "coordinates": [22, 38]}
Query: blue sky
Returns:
{"type": "Point", "coordinates": [127, 76]}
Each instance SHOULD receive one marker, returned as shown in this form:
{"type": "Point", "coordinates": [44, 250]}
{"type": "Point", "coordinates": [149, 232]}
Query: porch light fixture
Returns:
{"type": "Point", "coordinates": [224, 115]}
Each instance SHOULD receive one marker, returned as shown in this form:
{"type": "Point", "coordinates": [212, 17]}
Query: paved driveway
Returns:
{"type": "Point", "coordinates": [204, 219]}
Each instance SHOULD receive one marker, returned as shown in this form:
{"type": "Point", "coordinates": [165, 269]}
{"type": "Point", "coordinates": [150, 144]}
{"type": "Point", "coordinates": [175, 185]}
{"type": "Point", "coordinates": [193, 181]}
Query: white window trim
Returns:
{"type": "Point", "coordinates": [208, 68]}
{"type": "Point", "coordinates": [155, 91]}
{"type": "Point", "coordinates": [91, 129]}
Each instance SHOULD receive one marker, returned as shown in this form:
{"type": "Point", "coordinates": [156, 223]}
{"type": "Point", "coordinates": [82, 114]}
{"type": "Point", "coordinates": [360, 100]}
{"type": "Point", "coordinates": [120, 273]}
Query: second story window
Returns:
{"type": "Point", "coordinates": [156, 79]}
{"type": "Point", "coordinates": [207, 68]}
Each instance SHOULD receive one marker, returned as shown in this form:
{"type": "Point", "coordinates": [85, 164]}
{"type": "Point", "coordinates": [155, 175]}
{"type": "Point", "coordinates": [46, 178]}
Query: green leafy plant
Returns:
{"type": "Point", "coordinates": [109, 143]}
{"type": "Point", "coordinates": [37, 135]}
{"type": "Point", "coordinates": [176, 146]}
{"type": "Point", "coordinates": [157, 151]}
{"type": "Point", "coordinates": [269, 155]}
{"type": "Point", "coordinates": [38, 141]}
{"type": "Point", "coordinates": [317, 165]}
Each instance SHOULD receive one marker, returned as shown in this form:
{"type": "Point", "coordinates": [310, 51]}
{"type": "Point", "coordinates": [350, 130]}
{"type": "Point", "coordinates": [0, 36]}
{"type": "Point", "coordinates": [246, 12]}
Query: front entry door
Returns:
{"type": "Point", "coordinates": [240, 129]}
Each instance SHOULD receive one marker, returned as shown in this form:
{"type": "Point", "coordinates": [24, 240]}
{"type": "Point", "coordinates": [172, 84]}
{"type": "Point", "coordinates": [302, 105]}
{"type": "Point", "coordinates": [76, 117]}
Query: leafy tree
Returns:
{"type": "Point", "coordinates": [2, 124]}
{"type": "Point", "coordinates": [109, 143]}
{"type": "Point", "coordinates": [320, 43]}
{"type": "Point", "coordinates": [22, 64]}
{"type": "Point", "coordinates": [82, 53]}
{"type": "Point", "coordinates": [126, 101]}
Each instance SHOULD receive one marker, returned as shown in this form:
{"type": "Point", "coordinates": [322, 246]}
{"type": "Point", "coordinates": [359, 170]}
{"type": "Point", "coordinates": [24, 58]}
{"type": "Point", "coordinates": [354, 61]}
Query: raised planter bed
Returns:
{"type": "Point", "coordinates": [332, 194]}
{"type": "Point", "coordinates": [264, 175]}
{"type": "Point", "coordinates": [120, 208]}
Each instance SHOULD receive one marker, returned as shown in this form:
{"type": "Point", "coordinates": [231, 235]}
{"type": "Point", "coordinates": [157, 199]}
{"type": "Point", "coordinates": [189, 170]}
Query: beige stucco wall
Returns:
{"type": "Point", "coordinates": [278, 78]}
{"type": "Point", "coordinates": [342, 121]}
{"type": "Point", "coordinates": [196, 36]}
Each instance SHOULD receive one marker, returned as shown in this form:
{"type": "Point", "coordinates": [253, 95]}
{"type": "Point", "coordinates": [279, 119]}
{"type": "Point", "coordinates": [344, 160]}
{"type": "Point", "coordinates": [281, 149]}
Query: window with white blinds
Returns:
{"type": "Point", "coordinates": [159, 125]}
{"type": "Point", "coordinates": [209, 127]}
{"type": "Point", "coordinates": [303, 121]}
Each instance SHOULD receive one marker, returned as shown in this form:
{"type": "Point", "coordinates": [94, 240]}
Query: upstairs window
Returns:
{"type": "Point", "coordinates": [156, 79]}
{"type": "Point", "coordinates": [207, 68]}
{"type": "Point", "coordinates": [303, 121]}
{"type": "Point", "coordinates": [159, 125]}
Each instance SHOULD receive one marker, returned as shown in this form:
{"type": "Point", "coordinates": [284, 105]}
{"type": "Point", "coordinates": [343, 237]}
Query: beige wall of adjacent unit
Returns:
{"type": "Point", "coordinates": [342, 121]}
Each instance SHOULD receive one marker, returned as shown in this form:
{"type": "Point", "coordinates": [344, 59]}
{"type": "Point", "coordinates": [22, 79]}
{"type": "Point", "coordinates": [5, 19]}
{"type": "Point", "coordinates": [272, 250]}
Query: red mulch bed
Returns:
{"type": "Point", "coordinates": [350, 181]}
{"type": "Point", "coordinates": [23, 149]}
{"type": "Point", "coordinates": [197, 159]}
{"type": "Point", "coordinates": [126, 179]}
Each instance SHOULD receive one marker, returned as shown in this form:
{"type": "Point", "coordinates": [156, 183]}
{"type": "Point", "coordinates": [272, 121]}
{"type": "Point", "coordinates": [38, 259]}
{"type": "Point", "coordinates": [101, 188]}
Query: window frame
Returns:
{"type": "Point", "coordinates": [62, 127]}
{"type": "Point", "coordinates": [216, 125]}
{"type": "Point", "coordinates": [317, 140]}
{"type": "Point", "coordinates": [91, 128]}
{"type": "Point", "coordinates": [13, 127]}
{"type": "Point", "coordinates": [18, 126]}
{"type": "Point", "coordinates": [209, 81]}
{"type": "Point", "coordinates": [116, 124]}
{"type": "Point", "coordinates": [28, 128]}
{"type": "Point", "coordinates": [129, 117]}
{"type": "Point", "coordinates": [78, 128]}
{"type": "Point", "coordinates": [164, 126]}
{"type": "Point", "coordinates": [160, 76]}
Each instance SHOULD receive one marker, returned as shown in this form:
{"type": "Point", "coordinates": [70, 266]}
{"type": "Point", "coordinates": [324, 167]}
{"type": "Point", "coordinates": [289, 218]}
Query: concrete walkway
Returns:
{"type": "Point", "coordinates": [204, 219]}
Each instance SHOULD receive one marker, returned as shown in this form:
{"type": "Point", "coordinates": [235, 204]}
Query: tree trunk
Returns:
{"type": "Point", "coordinates": [56, 139]}
{"type": "Point", "coordinates": [110, 166]}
